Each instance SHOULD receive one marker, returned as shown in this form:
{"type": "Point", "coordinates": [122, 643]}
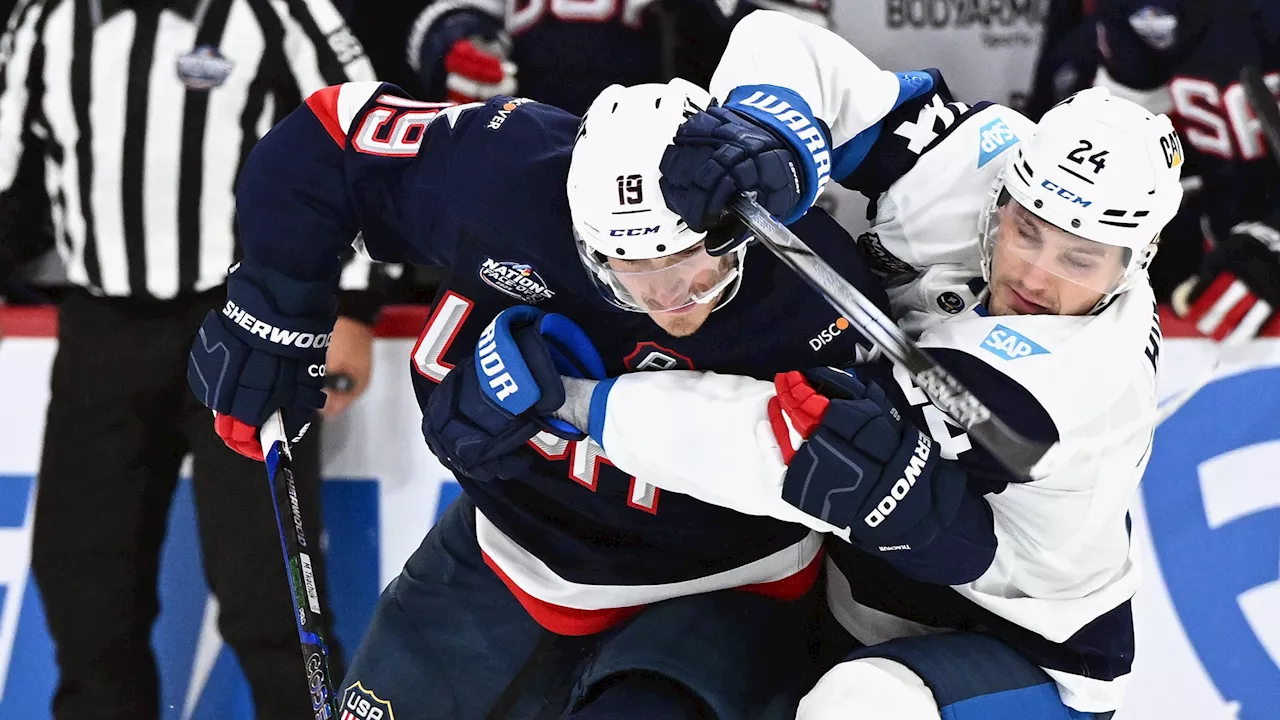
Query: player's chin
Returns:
{"type": "Point", "coordinates": [683, 322]}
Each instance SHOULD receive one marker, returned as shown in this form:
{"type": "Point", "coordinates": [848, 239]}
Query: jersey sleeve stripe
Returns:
{"type": "Point", "coordinates": [337, 105]}
{"type": "Point", "coordinates": [324, 104]}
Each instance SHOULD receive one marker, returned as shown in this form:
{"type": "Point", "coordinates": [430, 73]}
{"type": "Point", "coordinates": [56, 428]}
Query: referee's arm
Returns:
{"type": "Point", "coordinates": [19, 93]}
{"type": "Point", "coordinates": [319, 51]}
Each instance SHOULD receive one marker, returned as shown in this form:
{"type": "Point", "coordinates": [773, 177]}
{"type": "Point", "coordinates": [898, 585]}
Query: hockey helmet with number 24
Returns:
{"type": "Point", "coordinates": [1102, 169]}
{"type": "Point", "coordinates": [618, 211]}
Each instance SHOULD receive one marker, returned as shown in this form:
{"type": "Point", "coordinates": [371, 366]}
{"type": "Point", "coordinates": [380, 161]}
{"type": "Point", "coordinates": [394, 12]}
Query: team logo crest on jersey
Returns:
{"type": "Point", "coordinates": [994, 138]}
{"type": "Point", "coordinates": [649, 355]}
{"type": "Point", "coordinates": [361, 704]}
{"type": "Point", "coordinates": [204, 68]}
{"type": "Point", "coordinates": [950, 302]}
{"type": "Point", "coordinates": [1010, 345]}
{"type": "Point", "coordinates": [1156, 26]}
{"type": "Point", "coordinates": [519, 280]}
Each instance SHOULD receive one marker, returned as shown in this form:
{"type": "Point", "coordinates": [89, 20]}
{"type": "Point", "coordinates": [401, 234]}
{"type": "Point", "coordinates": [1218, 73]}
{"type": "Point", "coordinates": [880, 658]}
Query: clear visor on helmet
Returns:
{"type": "Point", "coordinates": [1014, 234]}
{"type": "Point", "coordinates": [664, 284]}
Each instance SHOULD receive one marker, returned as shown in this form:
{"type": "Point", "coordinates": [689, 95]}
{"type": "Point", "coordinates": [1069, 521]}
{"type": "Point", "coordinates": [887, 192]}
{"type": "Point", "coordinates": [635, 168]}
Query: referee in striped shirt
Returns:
{"type": "Point", "coordinates": [146, 110]}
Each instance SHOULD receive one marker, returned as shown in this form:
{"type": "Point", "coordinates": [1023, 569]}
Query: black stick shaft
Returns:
{"type": "Point", "coordinates": [298, 549]}
{"type": "Point", "coordinates": [1017, 453]}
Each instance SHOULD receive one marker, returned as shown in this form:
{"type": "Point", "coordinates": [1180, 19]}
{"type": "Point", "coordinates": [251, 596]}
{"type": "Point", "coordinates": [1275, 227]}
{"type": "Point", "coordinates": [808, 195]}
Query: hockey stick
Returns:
{"type": "Point", "coordinates": [1018, 454]}
{"type": "Point", "coordinates": [302, 583]}
{"type": "Point", "coordinates": [1264, 106]}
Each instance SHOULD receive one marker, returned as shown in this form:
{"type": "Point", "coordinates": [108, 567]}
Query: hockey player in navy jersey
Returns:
{"type": "Point", "coordinates": [1016, 255]}
{"type": "Point", "coordinates": [565, 53]}
{"type": "Point", "coordinates": [682, 608]}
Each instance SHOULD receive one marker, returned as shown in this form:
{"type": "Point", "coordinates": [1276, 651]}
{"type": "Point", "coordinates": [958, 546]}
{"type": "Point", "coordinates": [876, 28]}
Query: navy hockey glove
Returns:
{"type": "Point", "coordinates": [716, 155]}
{"type": "Point", "coordinates": [1237, 289]}
{"type": "Point", "coordinates": [264, 351]}
{"type": "Point", "coordinates": [862, 465]}
{"type": "Point", "coordinates": [483, 412]}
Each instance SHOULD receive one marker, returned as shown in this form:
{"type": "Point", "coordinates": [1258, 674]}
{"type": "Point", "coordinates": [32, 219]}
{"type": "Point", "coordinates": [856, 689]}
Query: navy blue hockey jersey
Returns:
{"type": "Point", "coordinates": [568, 52]}
{"type": "Point", "coordinates": [480, 190]}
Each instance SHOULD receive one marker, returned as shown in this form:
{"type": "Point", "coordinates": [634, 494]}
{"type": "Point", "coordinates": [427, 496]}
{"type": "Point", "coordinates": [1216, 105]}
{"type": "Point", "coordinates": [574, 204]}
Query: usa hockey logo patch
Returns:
{"type": "Point", "coordinates": [1010, 345]}
{"type": "Point", "coordinates": [361, 704]}
{"type": "Point", "coordinates": [518, 280]}
{"type": "Point", "coordinates": [994, 138]}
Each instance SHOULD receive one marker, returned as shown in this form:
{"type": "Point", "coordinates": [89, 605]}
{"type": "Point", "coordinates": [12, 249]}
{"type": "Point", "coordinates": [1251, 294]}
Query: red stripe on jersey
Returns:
{"type": "Point", "coordinates": [573, 621]}
{"type": "Point", "coordinates": [559, 619]}
{"type": "Point", "coordinates": [1233, 317]}
{"type": "Point", "coordinates": [324, 104]}
{"type": "Point", "coordinates": [792, 587]}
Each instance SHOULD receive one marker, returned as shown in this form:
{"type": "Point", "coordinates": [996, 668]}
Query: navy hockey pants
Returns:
{"type": "Point", "coordinates": [976, 677]}
{"type": "Point", "coordinates": [449, 641]}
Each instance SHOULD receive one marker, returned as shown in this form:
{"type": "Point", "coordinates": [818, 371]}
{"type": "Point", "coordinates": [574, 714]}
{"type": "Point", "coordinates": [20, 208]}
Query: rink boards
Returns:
{"type": "Point", "coordinates": [1207, 525]}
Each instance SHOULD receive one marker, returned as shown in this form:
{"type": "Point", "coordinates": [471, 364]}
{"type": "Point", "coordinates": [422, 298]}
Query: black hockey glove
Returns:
{"type": "Point", "coordinates": [1237, 289]}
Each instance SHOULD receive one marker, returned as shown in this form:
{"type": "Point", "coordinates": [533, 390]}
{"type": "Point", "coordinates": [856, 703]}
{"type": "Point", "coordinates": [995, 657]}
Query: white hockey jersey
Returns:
{"type": "Point", "coordinates": [1059, 583]}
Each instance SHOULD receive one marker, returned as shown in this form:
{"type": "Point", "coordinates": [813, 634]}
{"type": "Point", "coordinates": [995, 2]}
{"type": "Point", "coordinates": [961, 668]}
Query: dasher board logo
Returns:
{"type": "Point", "coordinates": [519, 280]}
{"type": "Point", "coordinates": [361, 704]}
{"type": "Point", "coordinates": [204, 68]}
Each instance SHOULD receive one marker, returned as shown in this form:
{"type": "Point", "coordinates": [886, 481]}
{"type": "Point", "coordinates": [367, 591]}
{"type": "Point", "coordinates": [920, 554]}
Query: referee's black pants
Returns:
{"type": "Point", "coordinates": [120, 421]}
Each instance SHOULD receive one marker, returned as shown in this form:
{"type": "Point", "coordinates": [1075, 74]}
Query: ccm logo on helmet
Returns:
{"type": "Point", "coordinates": [493, 367]}
{"type": "Point", "coordinates": [633, 232]}
{"type": "Point", "coordinates": [274, 334]}
{"type": "Point", "coordinates": [904, 484]}
{"type": "Point", "coordinates": [1066, 194]}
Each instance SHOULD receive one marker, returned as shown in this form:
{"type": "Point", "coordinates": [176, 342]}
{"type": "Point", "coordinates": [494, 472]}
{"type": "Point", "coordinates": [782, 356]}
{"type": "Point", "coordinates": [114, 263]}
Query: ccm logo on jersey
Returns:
{"type": "Point", "coordinates": [1008, 344]}
{"type": "Point", "coordinates": [274, 334]}
{"type": "Point", "coordinates": [900, 489]}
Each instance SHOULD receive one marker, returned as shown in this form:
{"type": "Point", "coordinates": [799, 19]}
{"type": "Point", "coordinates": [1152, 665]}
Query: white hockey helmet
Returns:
{"type": "Point", "coordinates": [618, 209]}
{"type": "Point", "coordinates": [1100, 168]}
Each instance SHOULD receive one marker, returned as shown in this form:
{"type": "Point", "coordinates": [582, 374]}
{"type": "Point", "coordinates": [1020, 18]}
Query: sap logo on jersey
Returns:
{"type": "Point", "coordinates": [828, 334]}
{"type": "Point", "coordinates": [361, 704]}
{"type": "Point", "coordinates": [518, 280]}
{"type": "Point", "coordinates": [994, 138]}
{"type": "Point", "coordinates": [1213, 510]}
{"type": "Point", "coordinates": [495, 123]}
{"type": "Point", "coordinates": [1010, 345]}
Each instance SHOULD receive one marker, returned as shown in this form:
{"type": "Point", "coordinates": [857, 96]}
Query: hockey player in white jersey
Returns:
{"type": "Point", "coordinates": [1016, 255]}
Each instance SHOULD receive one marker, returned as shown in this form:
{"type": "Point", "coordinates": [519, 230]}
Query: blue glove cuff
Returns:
{"type": "Point", "coordinates": [785, 113]}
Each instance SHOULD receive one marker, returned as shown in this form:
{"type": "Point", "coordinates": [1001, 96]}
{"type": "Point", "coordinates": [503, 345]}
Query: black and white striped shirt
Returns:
{"type": "Point", "coordinates": [148, 108]}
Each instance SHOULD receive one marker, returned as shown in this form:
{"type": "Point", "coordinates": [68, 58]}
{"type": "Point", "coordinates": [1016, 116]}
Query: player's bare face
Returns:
{"type": "Point", "coordinates": [1040, 269]}
{"type": "Point", "coordinates": [678, 292]}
